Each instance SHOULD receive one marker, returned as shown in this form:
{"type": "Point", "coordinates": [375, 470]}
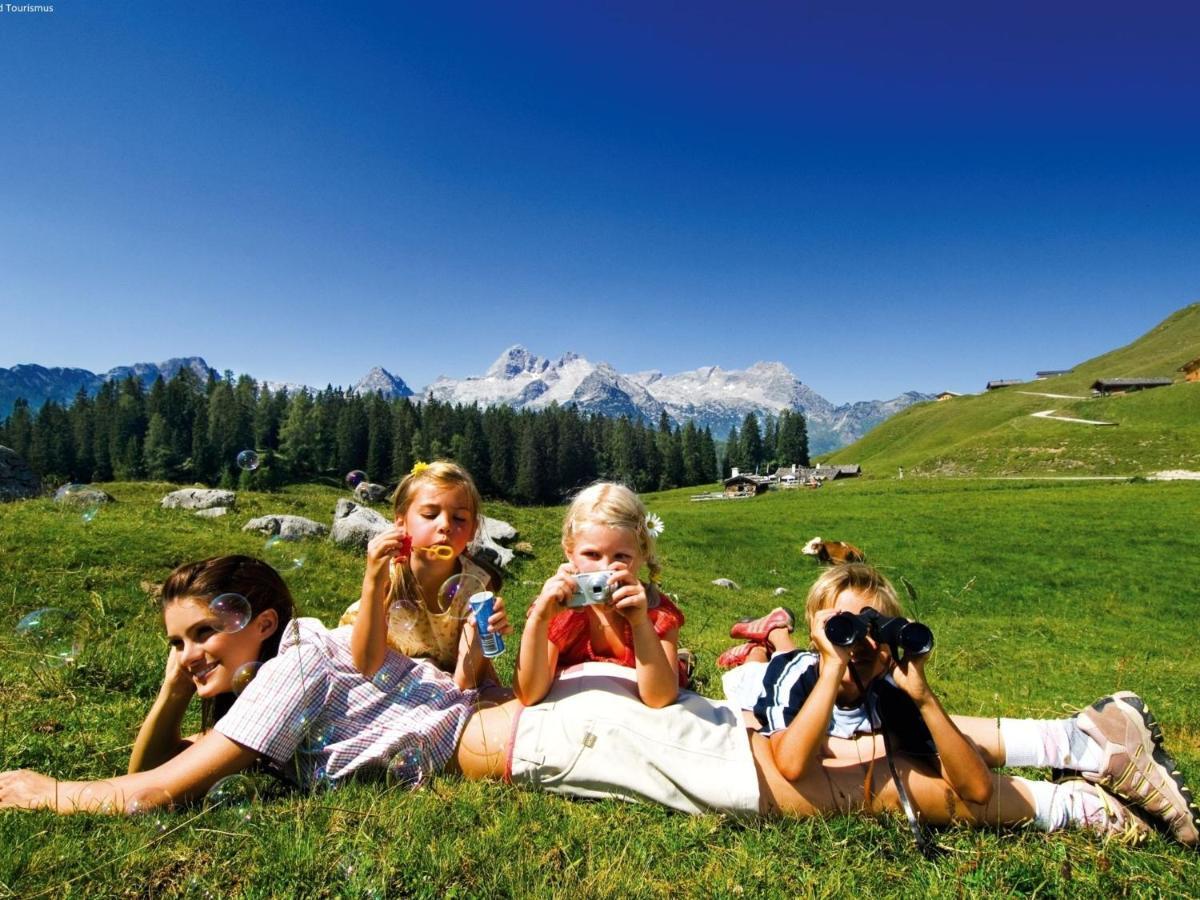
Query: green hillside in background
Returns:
{"type": "Point", "coordinates": [995, 433]}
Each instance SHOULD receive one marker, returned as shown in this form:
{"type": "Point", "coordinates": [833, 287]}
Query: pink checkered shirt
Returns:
{"type": "Point", "coordinates": [313, 714]}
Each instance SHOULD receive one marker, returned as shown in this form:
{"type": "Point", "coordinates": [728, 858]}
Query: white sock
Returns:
{"type": "Point", "coordinates": [1049, 742]}
{"type": "Point", "coordinates": [1070, 804]}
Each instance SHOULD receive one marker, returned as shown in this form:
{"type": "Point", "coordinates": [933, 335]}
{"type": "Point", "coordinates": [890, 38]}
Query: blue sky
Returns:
{"type": "Point", "coordinates": [890, 197]}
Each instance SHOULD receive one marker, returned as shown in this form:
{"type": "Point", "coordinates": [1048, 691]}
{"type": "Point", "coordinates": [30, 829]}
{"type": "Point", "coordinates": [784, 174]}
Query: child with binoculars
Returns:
{"type": "Point", "coordinates": [865, 674]}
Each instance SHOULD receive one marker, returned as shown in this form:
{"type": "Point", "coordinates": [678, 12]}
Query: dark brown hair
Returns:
{"type": "Point", "coordinates": [260, 584]}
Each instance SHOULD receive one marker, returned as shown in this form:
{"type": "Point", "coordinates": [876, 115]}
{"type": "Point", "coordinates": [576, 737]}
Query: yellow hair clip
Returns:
{"type": "Point", "coordinates": [418, 468]}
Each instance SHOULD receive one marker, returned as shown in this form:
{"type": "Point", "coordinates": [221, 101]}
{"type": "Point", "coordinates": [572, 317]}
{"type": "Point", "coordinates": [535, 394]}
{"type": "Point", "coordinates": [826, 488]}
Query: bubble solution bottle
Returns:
{"type": "Point", "coordinates": [482, 605]}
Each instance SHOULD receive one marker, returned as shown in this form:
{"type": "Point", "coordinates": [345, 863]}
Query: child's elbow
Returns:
{"type": "Point", "coordinates": [977, 791]}
{"type": "Point", "coordinates": [661, 700]}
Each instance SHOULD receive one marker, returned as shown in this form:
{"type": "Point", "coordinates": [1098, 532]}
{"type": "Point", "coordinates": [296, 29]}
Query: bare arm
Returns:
{"type": "Point", "coordinates": [796, 747]}
{"type": "Point", "coordinates": [185, 776]}
{"type": "Point", "coordinates": [538, 657]}
{"type": "Point", "coordinates": [160, 737]}
{"type": "Point", "coordinates": [654, 657]}
{"type": "Point", "coordinates": [962, 765]}
{"type": "Point", "coordinates": [368, 641]}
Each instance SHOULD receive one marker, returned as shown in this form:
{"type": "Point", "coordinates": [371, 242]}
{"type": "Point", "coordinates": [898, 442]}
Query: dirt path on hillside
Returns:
{"type": "Point", "coordinates": [1055, 396]}
{"type": "Point", "coordinates": [1049, 414]}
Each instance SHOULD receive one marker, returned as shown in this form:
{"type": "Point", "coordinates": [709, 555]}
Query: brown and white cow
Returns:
{"type": "Point", "coordinates": [833, 553]}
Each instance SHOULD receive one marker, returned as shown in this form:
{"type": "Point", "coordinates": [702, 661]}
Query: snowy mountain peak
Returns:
{"type": "Point", "coordinates": [515, 361]}
{"type": "Point", "coordinates": [381, 381]}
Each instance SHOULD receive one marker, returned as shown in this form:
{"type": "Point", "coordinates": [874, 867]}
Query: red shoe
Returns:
{"type": "Point", "coordinates": [758, 629]}
{"type": "Point", "coordinates": [735, 656]}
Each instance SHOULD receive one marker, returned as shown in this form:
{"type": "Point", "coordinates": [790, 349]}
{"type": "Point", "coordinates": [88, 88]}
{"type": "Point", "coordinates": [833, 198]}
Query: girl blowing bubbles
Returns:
{"type": "Point", "coordinates": [403, 603]}
{"type": "Point", "coordinates": [606, 528]}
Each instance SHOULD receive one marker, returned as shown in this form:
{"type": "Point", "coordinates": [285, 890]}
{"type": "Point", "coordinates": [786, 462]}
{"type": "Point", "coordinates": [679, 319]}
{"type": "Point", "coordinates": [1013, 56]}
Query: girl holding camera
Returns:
{"type": "Point", "coordinates": [625, 621]}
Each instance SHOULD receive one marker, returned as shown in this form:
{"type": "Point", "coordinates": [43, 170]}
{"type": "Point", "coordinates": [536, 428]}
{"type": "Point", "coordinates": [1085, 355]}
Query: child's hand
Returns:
{"type": "Point", "coordinates": [498, 621]}
{"type": "Point", "coordinates": [557, 590]}
{"type": "Point", "coordinates": [909, 675]}
{"type": "Point", "coordinates": [831, 654]}
{"type": "Point", "coordinates": [628, 595]}
{"type": "Point", "coordinates": [386, 546]}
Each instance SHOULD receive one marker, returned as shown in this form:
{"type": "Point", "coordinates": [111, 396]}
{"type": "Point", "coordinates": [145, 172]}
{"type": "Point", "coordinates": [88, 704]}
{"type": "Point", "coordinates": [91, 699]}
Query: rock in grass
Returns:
{"type": "Point", "coordinates": [17, 481]}
{"type": "Point", "coordinates": [524, 548]}
{"type": "Point", "coordinates": [198, 498]}
{"type": "Point", "coordinates": [290, 528]}
{"type": "Point", "coordinates": [82, 495]}
{"type": "Point", "coordinates": [354, 525]}
{"type": "Point", "coordinates": [366, 492]}
{"type": "Point", "coordinates": [780, 591]}
{"type": "Point", "coordinates": [213, 512]}
{"type": "Point", "coordinates": [490, 532]}
{"type": "Point", "coordinates": [727, 583]}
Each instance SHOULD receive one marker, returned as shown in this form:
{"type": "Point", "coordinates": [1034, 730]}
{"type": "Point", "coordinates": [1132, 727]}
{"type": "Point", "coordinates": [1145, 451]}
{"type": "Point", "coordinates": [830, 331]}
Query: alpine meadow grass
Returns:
{"type": "Point", "coordinates": [1043, 596]}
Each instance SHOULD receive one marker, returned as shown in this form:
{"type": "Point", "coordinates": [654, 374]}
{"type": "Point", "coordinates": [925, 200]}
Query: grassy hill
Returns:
{"type": "Point", "coordinates": [995, 433]}
{"type": "Point", "coordinates": [1021, 631]}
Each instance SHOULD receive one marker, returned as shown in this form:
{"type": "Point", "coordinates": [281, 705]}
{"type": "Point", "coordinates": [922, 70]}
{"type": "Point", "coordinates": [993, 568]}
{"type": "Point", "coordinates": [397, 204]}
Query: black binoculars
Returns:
{"type": "Point", "coordinates": [846, 629]}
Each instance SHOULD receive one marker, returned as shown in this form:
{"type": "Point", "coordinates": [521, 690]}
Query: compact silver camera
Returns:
{"type": "Point", "coordinates": [591, 589]}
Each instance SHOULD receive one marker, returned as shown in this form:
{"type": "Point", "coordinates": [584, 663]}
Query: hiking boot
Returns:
{"type": "Point", "coordinates": [1136, 766]}
{"type": "Point", "coordinates": [758, 629]}
{"type": "Point", "coordinates": [735, 656]}
{"type": "Point", "coordinates": [1111, 818]}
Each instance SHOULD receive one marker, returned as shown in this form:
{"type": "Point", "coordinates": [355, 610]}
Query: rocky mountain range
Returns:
{"type": "Point", "coordinates": [711, 396]}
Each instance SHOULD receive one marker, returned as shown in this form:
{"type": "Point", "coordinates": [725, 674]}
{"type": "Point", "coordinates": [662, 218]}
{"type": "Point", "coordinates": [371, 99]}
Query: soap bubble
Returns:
{"type": "Point", "coordinates": [52, 632]}
{"type": "Point", "coordinates": [98, 797]}
{"type": "Point", "coordinates": [402, 616]}
{"type": "Point", "coordinates": [320, 782]}
{"type": "Point", "coordinates": [487, 732]}
{"type": "Point", "coordinates": [282, 554]}
{"type": "Point", "coordinates": [232, 610]}
{"type": "Point", "coordinates": [152, 804]}
{"type": "Point", "coordinates": [355, 478]}
{"type": "Point", "coordinates": [315, 735]}
{"type": "Point", "coordinates": [90, 513]}
{"type": "Point", "coordinates": [244, 674]}
{"type": "Point", "coordinates": [70, 493]}
{"type": "Point", "coordinates": [234, 792]}
{"type": "Point", "coordinates": [247, 460]}
{"type": "Point", "coordinates": [455, 592]}
{"type": "Point", "coordinates": [411, 766]}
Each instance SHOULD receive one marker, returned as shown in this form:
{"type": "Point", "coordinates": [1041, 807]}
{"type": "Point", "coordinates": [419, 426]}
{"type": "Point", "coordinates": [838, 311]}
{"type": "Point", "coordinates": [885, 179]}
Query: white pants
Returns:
{"type": "Point", "coordinates": [593, 737]}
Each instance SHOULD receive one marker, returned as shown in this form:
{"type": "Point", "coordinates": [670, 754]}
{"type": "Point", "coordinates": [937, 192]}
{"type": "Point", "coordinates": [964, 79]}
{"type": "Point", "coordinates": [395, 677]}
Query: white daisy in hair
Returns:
{"type": "Point", "coordinates": [654, 524]}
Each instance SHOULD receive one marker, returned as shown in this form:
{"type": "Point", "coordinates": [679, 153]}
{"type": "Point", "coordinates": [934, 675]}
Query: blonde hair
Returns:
{"type": "Point", "coordinates": [441, 473]}
{"type": "Point", "coordinates": [859, 577]}
{"type": "Point", "coordinates": [615, 506]}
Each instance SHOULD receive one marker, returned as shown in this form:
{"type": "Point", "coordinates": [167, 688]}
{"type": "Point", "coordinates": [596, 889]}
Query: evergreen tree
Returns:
{"type": "Point", "coordinates": [690, 462]}
{"type": "Point", "coordinates": [751, 442]}
{"type": "Point", "coordinates": [528, 488]}
{"type": "Point", "coordinates": [708, 457]}
{"type": "Point", "coordinates": [296, 443]}
{"type": "Point", "coordinates": [770, 440]}
{"type": "Point", "coordinates": [379, 438]}
{"type": "Point", "coordinates": [128, 430]}
{"type": "Point", "coordinates": [105, 409]}
{"type": "Point", "coordinates": [470, 450]}
{"type": "Point", "coordinates": [670, 451]}
{"type": "Point", "coordinates": [82, 419]}
{"type": "Point", "coordinates": [404, 422]}
{"type": "Point", "coordinates": [352, 435]}
{"type": "Point", "coordinates": [20, 429]}
{"type": "Point", "coordinates": [733, 453]}
{"type": "Point", "coordinates": [500, 433]}
{"type": "Point", "coordinates": [204, 464]}
{"type": "Point", "coordinates": [792, 445]}
{"type": "Point", "coordinates": [157, 451]}
{"type": "Point", "coordinates": [224, 440]}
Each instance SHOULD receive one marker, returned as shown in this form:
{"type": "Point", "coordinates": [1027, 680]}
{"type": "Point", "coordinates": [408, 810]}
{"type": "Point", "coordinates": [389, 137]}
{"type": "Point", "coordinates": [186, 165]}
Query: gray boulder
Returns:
{"type": "Point", "coordinates": [290, 528]}
{"type": "Point", "coordinates": [17, 481]}
{"type": "Point", "coordinates": [214, 512]}
{"type": "Point", "coordinates": [780, 591]}
{"type": "Point", "coordinates": [354, 525]}
{"type": "Point", "coordinates": [727, 583]}
{"type": "Point", "coordinates": [197, 498]}
{"type": "Point", "coordinates": [82, 495]}
{"type": "Point", "coordinates": [486, 543]}
{"type": "Point", "coordinates": [366, 492]}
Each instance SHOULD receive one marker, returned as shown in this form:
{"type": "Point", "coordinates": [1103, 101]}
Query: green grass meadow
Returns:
{"type": "Point", "coordinates": [1043, 596]}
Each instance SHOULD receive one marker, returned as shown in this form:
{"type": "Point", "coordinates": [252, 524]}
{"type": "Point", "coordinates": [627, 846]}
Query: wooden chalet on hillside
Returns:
{"type": "Point", "coordinates": [1191, 370]}
{"type": "Point", "coordinates": [946, 395]}
{"type": "Point", "coordinates": [1003, 383]}
{"type": "Point", "coordinates": [1106, 386]}
{"type": "Point", "coordinates": [738, 485]}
